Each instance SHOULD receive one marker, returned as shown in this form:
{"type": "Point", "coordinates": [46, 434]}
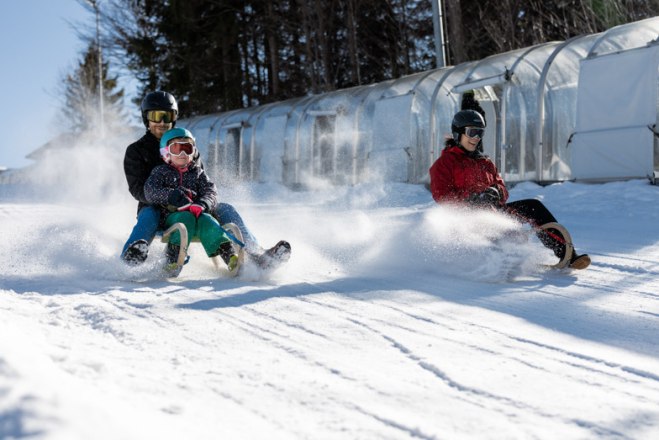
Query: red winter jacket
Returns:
{"type": "Point", "coordinates": [455, 176]}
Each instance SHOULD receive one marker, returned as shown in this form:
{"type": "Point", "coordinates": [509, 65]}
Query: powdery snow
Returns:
{"type": "Point", "coordinates": [394, 319]}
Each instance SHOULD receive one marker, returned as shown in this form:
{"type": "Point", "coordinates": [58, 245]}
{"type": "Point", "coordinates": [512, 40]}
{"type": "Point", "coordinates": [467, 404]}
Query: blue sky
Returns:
{"type": "Point", "coordinates": [38, 47]}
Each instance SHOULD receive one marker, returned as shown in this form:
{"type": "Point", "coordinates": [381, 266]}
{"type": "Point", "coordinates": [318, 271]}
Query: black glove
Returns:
{"type": "Point", "coordinates": [192, 194]}
{"type": "Point", "coordinates": [491, 196]}
{"type": "Point", "coordinates": [203, 204]}
{"type": "Point", "coordinates": [178, 197]}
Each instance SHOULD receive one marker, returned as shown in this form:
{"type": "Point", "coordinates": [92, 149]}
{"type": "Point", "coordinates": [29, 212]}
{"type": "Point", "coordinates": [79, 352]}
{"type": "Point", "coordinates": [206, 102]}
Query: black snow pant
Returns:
{"type": "Point", "coordinates": [533, 211]}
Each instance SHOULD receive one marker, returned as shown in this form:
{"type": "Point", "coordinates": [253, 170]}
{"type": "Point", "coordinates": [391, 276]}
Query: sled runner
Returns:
{"type": "Point", "coordinates": [560, 235]}
{"type": "Point", "coordinates": [563, 236]}
{"type": "Point", "coordinates": [231, 230]}
{"type": "Point", "coordinates": [509, 262]}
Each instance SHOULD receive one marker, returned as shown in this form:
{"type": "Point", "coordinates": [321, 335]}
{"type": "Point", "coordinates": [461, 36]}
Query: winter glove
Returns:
{"type": "Point", "coordinates": [491, 196]}
{"type": "Point", "coordinates": [195, 209]}
{"type": "Point", "coordinates": [192, 194]}
{"type": "Point", "coordinates": [179, 197]}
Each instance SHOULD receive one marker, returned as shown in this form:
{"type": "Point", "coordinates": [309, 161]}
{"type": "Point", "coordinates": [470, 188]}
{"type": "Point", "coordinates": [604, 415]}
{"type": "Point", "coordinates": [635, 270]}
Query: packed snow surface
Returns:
{"type": "Point", "coordinates": [394, 319]}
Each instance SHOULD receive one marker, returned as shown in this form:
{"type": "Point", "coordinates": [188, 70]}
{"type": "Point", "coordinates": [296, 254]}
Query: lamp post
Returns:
{"type": "Point", "coordinates": [95, 4]}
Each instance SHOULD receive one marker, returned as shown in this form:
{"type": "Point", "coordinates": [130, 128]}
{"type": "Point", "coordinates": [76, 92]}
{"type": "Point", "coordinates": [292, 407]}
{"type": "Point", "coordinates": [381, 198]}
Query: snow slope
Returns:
{"type": "Point", "coordinates": [394, 319]}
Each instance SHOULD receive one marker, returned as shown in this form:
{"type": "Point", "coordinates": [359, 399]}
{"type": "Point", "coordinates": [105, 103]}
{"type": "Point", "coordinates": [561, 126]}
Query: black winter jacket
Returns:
{"type": "Point", "coordinates": [141, 157]}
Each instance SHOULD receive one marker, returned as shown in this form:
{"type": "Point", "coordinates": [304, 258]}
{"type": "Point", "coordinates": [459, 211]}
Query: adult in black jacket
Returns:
{"type": "Point", "coordinates": [159, 114]}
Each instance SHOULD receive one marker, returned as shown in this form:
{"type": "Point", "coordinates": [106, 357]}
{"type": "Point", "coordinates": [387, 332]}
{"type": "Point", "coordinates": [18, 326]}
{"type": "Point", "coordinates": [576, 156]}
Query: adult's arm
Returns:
{"type": "Point", "coordinates": [442, 184]}
{"type": "Point", "coordinates": [137, 171]}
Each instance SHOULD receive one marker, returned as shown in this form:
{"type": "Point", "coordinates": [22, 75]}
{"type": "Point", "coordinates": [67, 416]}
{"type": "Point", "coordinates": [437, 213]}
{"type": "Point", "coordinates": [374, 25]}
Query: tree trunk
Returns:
{"type": "Point", "coordinates": [457, 52]}
{"type": "Point", "coordinates": [353, 52]}
{"type": "Point", "coordinates": [273, 48]}
{"type": "Point", "coordinates": [309, 45]}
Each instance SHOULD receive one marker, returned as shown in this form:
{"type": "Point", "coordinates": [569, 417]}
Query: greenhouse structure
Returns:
{"type": "Point", "coordinates": [584, 109]}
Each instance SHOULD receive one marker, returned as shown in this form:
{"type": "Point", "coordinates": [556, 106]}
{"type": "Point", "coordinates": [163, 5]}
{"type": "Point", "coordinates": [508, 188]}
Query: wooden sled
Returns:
{"type": "Point", "coordinates": [566, 239]}
{"type": "Point", "coordinates": [232, 231]}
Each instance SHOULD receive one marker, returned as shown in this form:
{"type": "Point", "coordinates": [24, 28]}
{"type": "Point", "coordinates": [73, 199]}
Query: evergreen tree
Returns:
{"type": "Point", "coordinates": [81, 109]}
{"type": "Point", "coordinates": [220, 55]}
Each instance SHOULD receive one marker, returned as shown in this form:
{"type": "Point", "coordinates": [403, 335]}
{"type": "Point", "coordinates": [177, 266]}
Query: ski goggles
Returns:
{"type": "Point", "coordinates": [474, 132]}
{"type": "Point", "coordinates": [166, 116]}
{"type": "Point", "coordinates": [178, 148]}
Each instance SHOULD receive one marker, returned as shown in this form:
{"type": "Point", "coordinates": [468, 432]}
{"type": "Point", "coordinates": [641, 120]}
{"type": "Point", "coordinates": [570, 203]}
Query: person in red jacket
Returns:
{"type": "Point", "coordinates": [464, 175]}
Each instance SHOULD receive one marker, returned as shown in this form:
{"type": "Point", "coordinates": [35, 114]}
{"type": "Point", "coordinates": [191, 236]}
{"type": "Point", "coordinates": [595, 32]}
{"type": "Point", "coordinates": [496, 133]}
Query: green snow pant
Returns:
{"type": "Point", "coordinates": [205, 228]}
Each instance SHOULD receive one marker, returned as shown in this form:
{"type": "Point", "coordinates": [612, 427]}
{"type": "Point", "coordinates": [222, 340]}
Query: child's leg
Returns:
{"type": "Point", "coordinates": [185, 217]}
{"type": "Point", "coordinates": [226, 213]}
{"type": "Point", "coordinates": [210, 234]}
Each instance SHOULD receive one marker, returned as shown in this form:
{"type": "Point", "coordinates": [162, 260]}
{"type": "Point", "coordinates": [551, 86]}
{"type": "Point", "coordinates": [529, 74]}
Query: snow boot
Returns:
{"type": "Point", "coordinates": [276, 255]}
{"type": "Point", "coordinates": [136, 253]}
{"type": "Point", "coordinates": [579, 261]}
{"type": "Point", "coordinates": [228, 256]}
{"type": "Point", "coordinates": [172, 269]}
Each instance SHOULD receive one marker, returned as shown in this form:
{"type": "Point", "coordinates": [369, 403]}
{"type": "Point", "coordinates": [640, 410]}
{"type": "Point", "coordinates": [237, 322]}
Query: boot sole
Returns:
{"type": "Point", "coordinates": [136, 254]}
{"type": "Point", "coordinates": [581, 262]}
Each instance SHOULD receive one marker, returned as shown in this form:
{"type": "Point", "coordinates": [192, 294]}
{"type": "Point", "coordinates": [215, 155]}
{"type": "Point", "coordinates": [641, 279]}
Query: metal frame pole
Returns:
{"type": "Point", "coordinates": [438, 25]}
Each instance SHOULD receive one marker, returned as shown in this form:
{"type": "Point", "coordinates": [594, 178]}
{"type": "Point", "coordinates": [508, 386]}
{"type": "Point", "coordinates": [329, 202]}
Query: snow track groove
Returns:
{"type": "Point", "coordinates": [600, 370]}
{"type": "Point", "coordinates": [478, 396]}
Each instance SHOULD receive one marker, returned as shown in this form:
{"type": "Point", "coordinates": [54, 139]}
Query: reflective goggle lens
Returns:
{"type": "Point", "coordinates": [474, 132]}
{"type": "Point", "coordinates": [178, 148]}
{"type": "Point", "coordinates": [166, 116]}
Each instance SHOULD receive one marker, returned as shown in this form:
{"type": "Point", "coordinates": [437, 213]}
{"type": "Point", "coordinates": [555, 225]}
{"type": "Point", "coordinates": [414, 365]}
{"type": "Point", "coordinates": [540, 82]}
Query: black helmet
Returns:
{"type": "Point", "coordinates": [158, 101]}
{"type": "Point", "coordinates": [466, 118]}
